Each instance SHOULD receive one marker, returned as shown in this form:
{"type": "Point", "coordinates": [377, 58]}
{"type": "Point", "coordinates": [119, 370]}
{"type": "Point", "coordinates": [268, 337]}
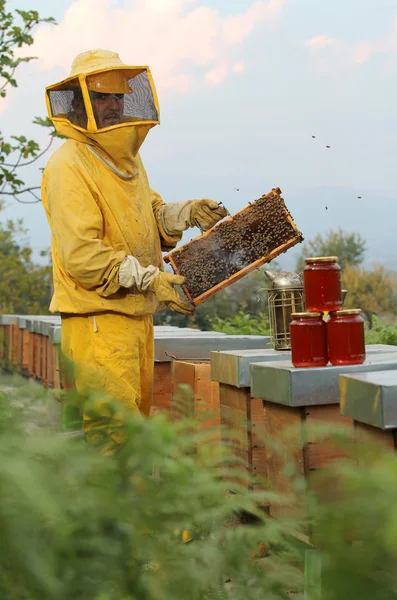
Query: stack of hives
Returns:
{"type": "Point", "coordinates": [30, 345]}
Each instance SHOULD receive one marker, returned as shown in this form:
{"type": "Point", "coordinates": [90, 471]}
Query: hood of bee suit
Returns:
{"type": "Point", "coordinates": [107, 105]}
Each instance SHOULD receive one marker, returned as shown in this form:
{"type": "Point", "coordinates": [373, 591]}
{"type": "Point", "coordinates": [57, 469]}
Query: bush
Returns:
{"type": "Point", "coordinates": [242, 323]}
{"type": "Point", "coordinates": [381, 333]}
{"type": "Point", "coordinates": [80, 525]}
{"type": "Point", "coordinates": [76, 524]}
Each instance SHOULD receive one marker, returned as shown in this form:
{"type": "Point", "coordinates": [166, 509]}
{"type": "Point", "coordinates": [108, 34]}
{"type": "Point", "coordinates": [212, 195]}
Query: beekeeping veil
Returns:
{"type": "Point", "coordinates": [72, 102]}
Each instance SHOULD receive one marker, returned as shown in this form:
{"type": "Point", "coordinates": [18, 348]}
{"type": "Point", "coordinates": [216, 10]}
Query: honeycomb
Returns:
{"type": "Point", "coordinates": [263, 228]}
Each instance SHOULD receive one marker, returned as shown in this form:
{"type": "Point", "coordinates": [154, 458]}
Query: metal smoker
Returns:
{"type": "Point", "coordinates": [286, 296]}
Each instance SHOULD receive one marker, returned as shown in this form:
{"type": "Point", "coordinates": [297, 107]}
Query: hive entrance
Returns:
{"type": "Point", "coordinates": [239, 244]}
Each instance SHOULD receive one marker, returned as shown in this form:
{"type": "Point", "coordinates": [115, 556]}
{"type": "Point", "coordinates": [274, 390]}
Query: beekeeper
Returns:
{"type": "Point", "coordinates": [109, 227]}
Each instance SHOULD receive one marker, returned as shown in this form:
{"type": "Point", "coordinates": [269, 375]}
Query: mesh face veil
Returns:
{"type": "Point", "coordinates": [105, 99]}
{"type": "Point", "coordinates": [105, 104]}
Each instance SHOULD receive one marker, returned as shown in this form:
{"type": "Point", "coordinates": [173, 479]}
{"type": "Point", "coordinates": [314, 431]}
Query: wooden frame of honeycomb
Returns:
{"type": "Point", "coordinates": [239, 244]}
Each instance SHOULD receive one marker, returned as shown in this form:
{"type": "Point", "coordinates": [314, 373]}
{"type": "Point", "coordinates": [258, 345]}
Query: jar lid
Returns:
{"type": "Point", "coordinates": [300, 315]}
{"type": "Point", "coordinates": [321, 259]}
{"type": "Point", "coordinates": [346, 311]}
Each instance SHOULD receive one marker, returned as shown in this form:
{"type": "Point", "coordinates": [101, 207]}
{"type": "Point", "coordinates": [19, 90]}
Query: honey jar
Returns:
{"type": "Point", "coordinates": [322, 280]}
{"type": "Point", "coordinates": [308, 340]}
{"type": "Point", "coordinates": [346, 340]}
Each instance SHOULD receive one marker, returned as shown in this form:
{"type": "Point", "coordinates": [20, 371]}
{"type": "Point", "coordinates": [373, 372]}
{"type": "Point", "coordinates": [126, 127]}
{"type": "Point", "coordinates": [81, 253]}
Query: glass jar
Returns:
{"type": "Point", "coordinates": [308, 340]}
{"type": "Point", "coordinates": [323, 288]}
{"type": "Point", "coordinates": [346, 341]}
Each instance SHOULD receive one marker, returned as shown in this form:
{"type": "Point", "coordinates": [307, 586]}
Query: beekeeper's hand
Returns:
{"type": "Point", "coordinates": [206, 213]}
{"type": "Point", "coordinates": [134, 276]}
{"type": "Point", "coordinates": [163, 287]}
{"type": "Point", "coordinates": [176, 217]}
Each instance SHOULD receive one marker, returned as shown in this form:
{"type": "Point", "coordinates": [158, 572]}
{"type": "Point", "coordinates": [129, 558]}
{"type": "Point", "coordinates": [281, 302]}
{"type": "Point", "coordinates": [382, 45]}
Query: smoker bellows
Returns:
{"type": "Point", "coordinates": [239, 244]}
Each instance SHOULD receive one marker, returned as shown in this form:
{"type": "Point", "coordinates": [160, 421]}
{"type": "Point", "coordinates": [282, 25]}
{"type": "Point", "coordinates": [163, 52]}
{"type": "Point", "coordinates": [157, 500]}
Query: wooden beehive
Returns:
{"type": "Point", "coordinates": [234, 247]}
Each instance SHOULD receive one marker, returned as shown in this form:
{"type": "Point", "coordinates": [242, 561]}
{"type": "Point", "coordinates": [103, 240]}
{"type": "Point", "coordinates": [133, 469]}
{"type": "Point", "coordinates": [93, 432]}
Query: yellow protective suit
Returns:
{"type": "Point", "coordinates": [100, 208]}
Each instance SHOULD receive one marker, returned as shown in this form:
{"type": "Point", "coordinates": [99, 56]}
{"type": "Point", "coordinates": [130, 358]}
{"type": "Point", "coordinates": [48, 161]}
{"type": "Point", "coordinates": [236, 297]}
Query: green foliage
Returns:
{"type": "Point", "coordinates": [374, 291]}
{"type": "Point", "coordinates": [242, 324]}
{"type": "Point", "coordinates": [348, 247]}
{"type": "Point", "coordinates": [381, 333]}
{"type": "Point", "coordinates": [76, 524]}
{"type": "Point", "coordinates": [25, 287]}
{"type": "Point", "coordinates": [16, 32]}
{"type": "Point", "coordinates": [357, 530]}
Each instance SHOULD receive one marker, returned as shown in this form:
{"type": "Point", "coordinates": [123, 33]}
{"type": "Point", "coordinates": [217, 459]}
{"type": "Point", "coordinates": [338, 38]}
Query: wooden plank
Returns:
{"type": "Point", "coordinates": [39, 362]}
{"type": "Point", "coordinates": [234, 416]}
{"type": "Point", "coordinates": [162, 388]}
{"type": "Point", "coordinates": [324, 449]}
{"type": "Point", "coordinates": [195, 375]}
{"type": "Point", "coordinates": [58, 382]}
{"type": "Point", "coordinates": [32, 350]}
{"type": "Point", "coordinates": [19, 357]}
{"type": "Point", "coordinates": [25, 351]}
{"type": "Point", "coordinates": [321, 449]}
{"type": "Point", "coordinates": [381, 437]}
{"type": "Point", "coordinates": [284, 425]}
{"type": "Point", "coordinates": [44, 360]}
{"type": "Point", "coordinates": [14, 345]}
{"type": "Point", "coordinates": [207, 405]}
{"type": "Point", "coordinates": [182, 402]}
{"type": "Point", "coordinates": [2, 343]}
{"type": "Point", "coordinates": [207, 413]}
{"type": "Point", "coordinates": [7, 343]}
{"type": "Point", "coordinates": [204, 404]}
{"type": "Point", "coordinates": [257, 434]}
{"type": "Point", "coordinates": [37, 355]}
{"type": "Point", "coordinates": [49, 363]}
{"type": "Point", "coordinates": [371, 441]}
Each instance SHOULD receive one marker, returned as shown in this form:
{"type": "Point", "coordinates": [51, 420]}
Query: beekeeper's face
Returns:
{"type": "Point", "coordinates": [108, 108]}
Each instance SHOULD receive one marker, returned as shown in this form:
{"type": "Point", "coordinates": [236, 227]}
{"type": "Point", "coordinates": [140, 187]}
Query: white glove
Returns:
{"type": "Point", "coordinates": [175, 217]}
{"type": "Point", "coordinates": [133, 274]}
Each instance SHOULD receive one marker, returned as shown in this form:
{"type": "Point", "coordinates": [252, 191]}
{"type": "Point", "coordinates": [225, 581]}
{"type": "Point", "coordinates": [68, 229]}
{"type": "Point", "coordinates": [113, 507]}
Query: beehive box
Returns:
{"type": "Point", "coordinates": [243, 242]}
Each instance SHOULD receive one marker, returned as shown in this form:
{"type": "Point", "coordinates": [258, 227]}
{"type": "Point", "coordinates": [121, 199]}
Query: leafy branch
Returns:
{"type": "Point", "coordinates": [16, 32]}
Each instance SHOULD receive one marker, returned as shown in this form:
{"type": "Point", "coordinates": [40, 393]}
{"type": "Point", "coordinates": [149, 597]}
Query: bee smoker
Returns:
{"type": "Point", "coordinates": [286, 296]}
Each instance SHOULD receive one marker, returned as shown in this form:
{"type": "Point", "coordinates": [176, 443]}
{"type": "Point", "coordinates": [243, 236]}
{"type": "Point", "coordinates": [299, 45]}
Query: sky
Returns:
{"type": "Point", "coordinates": [243, 86]}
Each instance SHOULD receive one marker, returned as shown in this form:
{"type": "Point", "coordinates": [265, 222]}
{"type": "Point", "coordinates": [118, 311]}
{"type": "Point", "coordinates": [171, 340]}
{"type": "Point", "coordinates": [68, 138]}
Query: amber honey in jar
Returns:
{"type": "Point", "coordinates": [346, 341]}
{"type": "Point", "coordinates": [308, 340]}
{"type": "Point", "coordinates": [322, 279]}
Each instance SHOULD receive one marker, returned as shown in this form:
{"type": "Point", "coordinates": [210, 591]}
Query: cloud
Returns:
{"type": "Point", "coordinates": [320, 41]}
{"type": "Point", "coordinates": [185, 42]}
{"type": "Point", "coordinates": [334, 54]}
{"type": "Point", "coordinates": [239, 67]}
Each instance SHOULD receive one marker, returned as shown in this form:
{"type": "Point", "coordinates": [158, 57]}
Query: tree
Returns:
{"type": "Point", "coordinates": [375, 291]}
{"type": "Point", "coordinates": [17, 152]}
{"type": "Point", "coordinates": [348, 247]}
{"type": "Point", "coordinates": [25, 287]}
